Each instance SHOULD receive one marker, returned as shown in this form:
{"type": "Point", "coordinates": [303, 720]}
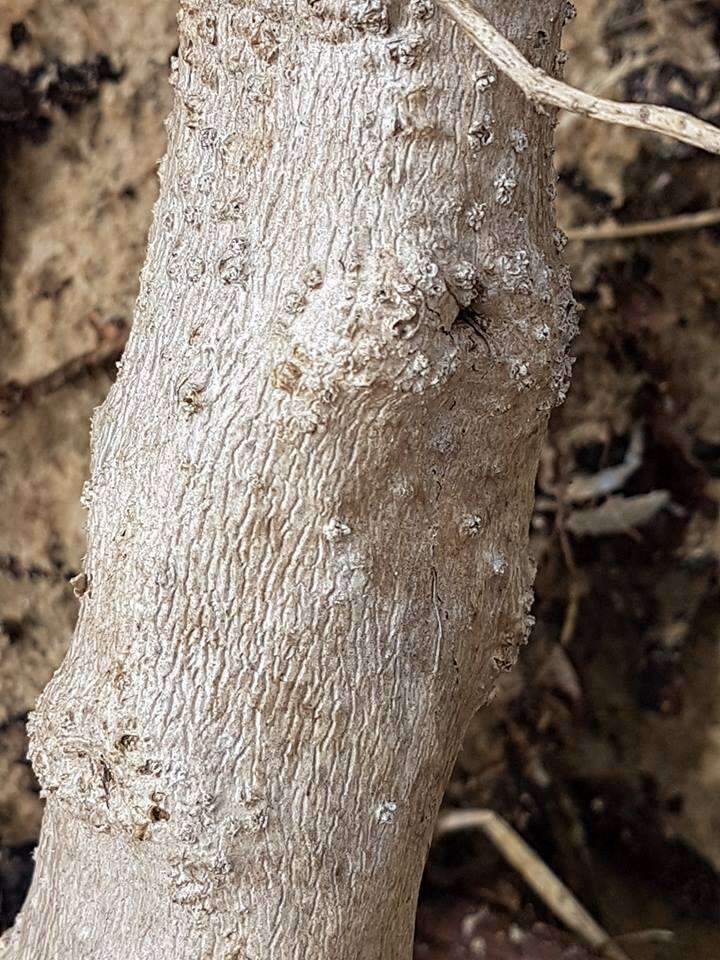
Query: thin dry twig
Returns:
{"type": "Point", "coordinates": [647, 936]}
{"type": "Point", "coordinates": [572, 613]}
{"type": "Point", "coordinates": [575, 588]}
{"type": "Point", "coordinates": [541, 88]}
{"type": "Point", "coordinates": [584, 487]}
{"type": "Point", "coordinates": [645, 228]}
{"type": "Point", "coordinates": [536, 874]}
{"type": "Point", "coordinates": [617, 515]}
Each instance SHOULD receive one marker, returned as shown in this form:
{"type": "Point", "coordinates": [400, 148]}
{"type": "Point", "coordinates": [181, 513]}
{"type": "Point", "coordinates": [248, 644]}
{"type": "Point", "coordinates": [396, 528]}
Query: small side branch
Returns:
{"type": "Point", "coordinates": [541, 88]}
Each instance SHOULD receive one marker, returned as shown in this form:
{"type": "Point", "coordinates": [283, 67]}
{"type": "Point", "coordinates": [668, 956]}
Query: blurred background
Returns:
{"type": "Point", "coordinates": [603, 747]}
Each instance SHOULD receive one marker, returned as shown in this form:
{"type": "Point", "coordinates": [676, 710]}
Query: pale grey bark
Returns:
{"type": "Point", "coordinates": [311, 488]}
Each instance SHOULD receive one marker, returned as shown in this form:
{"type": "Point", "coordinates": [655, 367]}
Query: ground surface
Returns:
{"type": "Point", "coordinates": [603, 748]}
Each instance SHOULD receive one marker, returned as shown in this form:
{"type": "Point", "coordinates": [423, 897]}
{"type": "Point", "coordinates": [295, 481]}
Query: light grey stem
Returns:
{"type": "Point", "coordinates": [310, 492]}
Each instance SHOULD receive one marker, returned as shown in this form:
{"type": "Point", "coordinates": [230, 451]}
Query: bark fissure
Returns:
{"type": "Point", "coordinates": [245, 749]}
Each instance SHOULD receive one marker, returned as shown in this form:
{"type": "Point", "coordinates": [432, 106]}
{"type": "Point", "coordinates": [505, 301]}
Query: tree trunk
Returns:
{"type": "Point", "coordinates": [311, 489]}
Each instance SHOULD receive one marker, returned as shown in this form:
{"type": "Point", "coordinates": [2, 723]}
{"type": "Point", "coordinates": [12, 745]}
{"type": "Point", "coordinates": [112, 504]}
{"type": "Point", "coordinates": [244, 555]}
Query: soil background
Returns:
{"type": "Point", "coordinates": [603, 746]}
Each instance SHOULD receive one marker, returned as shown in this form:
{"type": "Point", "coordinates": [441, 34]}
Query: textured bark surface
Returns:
{"type": "Point", "coordinates": [310, 492]}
